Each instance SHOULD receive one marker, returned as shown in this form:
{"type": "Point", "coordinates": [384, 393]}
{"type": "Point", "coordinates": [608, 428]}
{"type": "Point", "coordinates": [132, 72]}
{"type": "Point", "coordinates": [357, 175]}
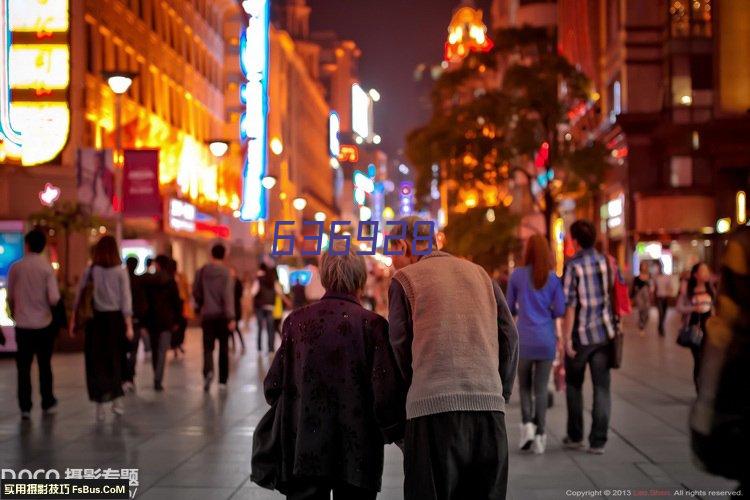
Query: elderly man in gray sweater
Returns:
{"type": "Point", "coordinates": [457, 348]}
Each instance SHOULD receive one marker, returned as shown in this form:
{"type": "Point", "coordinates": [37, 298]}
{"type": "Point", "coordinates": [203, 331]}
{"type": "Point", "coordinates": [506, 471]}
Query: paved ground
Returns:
{"type": "Point", "coordinates": [192, 445]}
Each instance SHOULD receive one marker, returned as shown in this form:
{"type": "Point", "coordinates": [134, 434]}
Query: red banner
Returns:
{"type": "Point", "coordinates": [140, 188]}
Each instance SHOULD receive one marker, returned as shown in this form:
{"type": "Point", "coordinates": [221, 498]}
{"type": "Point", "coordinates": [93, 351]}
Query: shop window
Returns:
{"type": "Point", "coordinates": [90, 40]}
{"type": "Point", "coordinates": [154, 24]}
{"type": "Point", "coordinates": [702, 71]}
{"type": "Point", "coordinates": [613, 21]}
{"type": "Point", "coordinates": [690, 18]}
{"type": "Point", "coordinates": [142, 84]}
{"type": "Point", "coordinates": [681, 171]}
{"type": "Point", "coordinates": [109, 53]}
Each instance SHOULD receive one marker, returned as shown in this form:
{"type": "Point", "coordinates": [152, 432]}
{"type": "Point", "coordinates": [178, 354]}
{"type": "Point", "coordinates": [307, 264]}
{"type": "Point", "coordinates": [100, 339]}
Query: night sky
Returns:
{"type": "Point", "coordinates": [395, 36]}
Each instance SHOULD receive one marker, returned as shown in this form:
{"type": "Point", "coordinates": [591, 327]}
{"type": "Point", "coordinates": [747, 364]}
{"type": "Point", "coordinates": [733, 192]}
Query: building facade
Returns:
{"type": "Point", "coordinates": [673, 109]}
{"type": "Point", "coordinates": [189, 89]}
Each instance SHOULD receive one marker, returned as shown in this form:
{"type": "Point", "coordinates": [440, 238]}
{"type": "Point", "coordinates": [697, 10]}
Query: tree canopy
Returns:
{"type": "Point", "coordinates": [503, 117]}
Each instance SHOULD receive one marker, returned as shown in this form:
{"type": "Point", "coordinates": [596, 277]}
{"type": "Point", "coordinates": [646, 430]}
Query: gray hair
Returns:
{"type": "Point", "coordinates": [343, 273]}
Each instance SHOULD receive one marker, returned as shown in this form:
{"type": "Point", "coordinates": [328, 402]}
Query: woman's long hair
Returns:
{"type": "Point", "coordinates": [539, 258]}
{"type": "Point", "coordinates": [106, 252]}
{"type": "Point", "coordinates": [693, 281]}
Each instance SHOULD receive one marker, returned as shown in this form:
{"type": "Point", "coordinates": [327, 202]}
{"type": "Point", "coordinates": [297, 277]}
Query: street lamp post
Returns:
{"type": "Point", "coordinates": [119, 82]}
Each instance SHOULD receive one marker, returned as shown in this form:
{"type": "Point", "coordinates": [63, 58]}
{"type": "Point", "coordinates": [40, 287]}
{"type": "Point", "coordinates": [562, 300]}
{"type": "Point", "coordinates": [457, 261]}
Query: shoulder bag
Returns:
{"type": "Point", "coordinates": [85, 307]}
{"type": "Point", "coordinates": [616, 342]}
{"type": "Point", "coordinates": [266, 458]}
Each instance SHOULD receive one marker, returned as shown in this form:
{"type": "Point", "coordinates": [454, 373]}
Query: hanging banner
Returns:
{"type": "Point", "coordinates": [140, 188]}
{"type": "Point", "coordinates": [96, 181]}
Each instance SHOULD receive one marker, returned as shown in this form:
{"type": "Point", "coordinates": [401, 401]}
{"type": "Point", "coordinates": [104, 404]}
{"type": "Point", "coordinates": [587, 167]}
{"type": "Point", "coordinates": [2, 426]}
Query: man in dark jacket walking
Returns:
{"type": "Point", "coordinates": [213, 291]}
{"type": "Point", "coordinates": [165, 308]}
{"type": "Point", "coordinates": [140, 310]}
{"type": "Point", "coordinates": [457, 348]}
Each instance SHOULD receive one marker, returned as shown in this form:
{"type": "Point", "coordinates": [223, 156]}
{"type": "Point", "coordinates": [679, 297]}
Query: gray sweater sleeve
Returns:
{"type": "Point", "coordinates": [508, 341]}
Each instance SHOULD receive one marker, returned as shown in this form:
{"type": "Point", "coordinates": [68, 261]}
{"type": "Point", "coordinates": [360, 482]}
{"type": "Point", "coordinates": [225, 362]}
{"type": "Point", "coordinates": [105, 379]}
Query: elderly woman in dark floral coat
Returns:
{"type": "Point", "coordinates": [338, 393]}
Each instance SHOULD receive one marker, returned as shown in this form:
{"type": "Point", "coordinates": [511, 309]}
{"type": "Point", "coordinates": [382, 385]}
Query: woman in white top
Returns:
{"type": "Point", "coordinates": [109, 327]}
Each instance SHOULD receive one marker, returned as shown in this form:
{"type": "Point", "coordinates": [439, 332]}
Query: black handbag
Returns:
{"type": "Point", "coordinates": [690, 336]}
{"type": "Point", "coordinates": [266, 459]}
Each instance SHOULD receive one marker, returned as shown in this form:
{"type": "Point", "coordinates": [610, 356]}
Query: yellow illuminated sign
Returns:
{"type": "Point", "coordinates": [39, 67]}
{"type": "Point", "coordinates": [38, 16]}
{"type": "Point", "coordinates": [34, 80]}
{"type": "Point", "coordinates": [741, 207]}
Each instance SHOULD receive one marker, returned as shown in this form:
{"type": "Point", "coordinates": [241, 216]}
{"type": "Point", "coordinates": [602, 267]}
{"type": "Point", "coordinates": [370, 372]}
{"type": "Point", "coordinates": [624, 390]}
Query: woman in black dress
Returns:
{"type": "Point", "coordinates": [110, 326]}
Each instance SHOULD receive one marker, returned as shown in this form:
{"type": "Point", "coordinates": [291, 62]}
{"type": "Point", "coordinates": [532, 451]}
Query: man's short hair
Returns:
{"type": "Point", "coordinates": [218, 251]}
{"type": "Point", "coordinates": [343, 273]}
{"type": "Point", "coordinates": [584, 232]}
{"type": "Point", "coordinates": [36, 240]}
{"type": "Point", "coordinates": [163, 262]}
{"type": "Point", "coordinates": [131, 263]}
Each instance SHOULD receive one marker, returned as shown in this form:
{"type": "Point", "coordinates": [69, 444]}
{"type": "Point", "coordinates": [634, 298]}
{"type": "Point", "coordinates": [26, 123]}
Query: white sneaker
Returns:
{"type": "Point", "coordinates": [527, 436]}
{"type": "Point", "coordinates": [117, 408]}
{"type": "Point", "coordinates": [540, 444]}
{"type": "Point", "coordinates": [99, 412]}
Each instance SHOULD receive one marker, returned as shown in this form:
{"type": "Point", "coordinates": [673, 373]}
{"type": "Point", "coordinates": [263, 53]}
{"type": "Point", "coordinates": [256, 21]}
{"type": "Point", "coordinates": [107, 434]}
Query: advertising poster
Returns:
{"type": "Point", "coordinates": [96, 180]}
{"type": "Point", "coordinates": [140, 189]}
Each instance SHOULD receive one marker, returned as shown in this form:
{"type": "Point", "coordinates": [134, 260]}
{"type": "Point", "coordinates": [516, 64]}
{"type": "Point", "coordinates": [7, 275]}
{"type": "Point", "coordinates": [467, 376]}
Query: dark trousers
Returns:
{"type": "Point", "coordinates": [456, 455]}
{"type": "Point", "coordinates": [215, 329]}
{"type": "Point", "coordinates": [160, 344]}
{"type": "Point", "coordinates": [696, 352]}
{"type": "Point", "coordinates": [643, 313]}
{"type": "Point", "coordinates": [597, 357]}
{"type": "Point", "coordinates": [533, 378]}
{"type": "Point", "coordinates": [662, 304]}
{"type": "Point", "coordinates": [265, 318]}
{"type": "Point", "coordinates": [37, 342]}
{"type": "Point", "coordinates": [321, 490]}
{"type": "Point", "coordinates": [130, 355]}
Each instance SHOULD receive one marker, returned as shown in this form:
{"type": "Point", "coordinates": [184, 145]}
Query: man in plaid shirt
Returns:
{"type": "Point", "coordinates": [588, 327]}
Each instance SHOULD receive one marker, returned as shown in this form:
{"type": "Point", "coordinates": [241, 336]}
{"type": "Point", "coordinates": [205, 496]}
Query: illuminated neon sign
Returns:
{"type": "Point", "coordinates": [184, 217]}
{"type": "Point", "coordinates": [361, 111]}
{"type": "Point", "coordinates": [49, 195]}
{"type": "Point", "coordinates": [348, 153]}
{"type": "Point", "coordinates": [334, 126]}
{"type": "Point", "coordinates": [254, 58]}
{"type": "Point", "coordinates": [34, 80]}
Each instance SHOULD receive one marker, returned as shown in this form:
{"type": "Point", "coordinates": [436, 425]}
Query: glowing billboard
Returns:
{"type": "Point", "coordinates": [361, 111]}
{"type": "Point", "coordinates": [254, 58]}
{"type": "Point", "coordinates": [334, 126]}
{"type": "Point", "coordinates": [34, 80]}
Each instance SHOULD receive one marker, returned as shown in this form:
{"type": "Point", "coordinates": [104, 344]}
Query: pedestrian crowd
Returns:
{"type": "Point", "coordinates": [435, 377]}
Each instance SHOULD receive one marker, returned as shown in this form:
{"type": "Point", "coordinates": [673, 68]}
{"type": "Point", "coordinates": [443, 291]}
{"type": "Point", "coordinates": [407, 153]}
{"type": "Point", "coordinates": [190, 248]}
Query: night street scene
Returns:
{"type": "Point", "coordinates": [360, 249]}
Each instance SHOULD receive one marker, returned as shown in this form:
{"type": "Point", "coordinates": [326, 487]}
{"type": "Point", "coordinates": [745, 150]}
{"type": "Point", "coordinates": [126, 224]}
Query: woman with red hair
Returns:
{"type": "Point", "coordinates": [535, 298]}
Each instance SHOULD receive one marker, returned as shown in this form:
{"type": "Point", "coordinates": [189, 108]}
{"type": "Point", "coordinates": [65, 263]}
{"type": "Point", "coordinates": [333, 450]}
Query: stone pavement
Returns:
{"type": "Point", "coordinates": [194, 445]}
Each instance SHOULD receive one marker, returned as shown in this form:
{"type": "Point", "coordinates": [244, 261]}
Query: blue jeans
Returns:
{"type": "Point", "coordinates": [265, 317]}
